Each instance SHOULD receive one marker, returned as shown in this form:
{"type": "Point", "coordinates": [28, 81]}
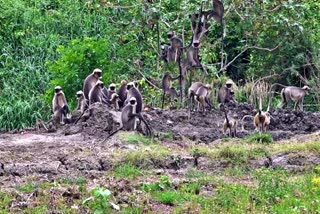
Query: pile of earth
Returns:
{"type": "Point", "coordinates": [198, 126]}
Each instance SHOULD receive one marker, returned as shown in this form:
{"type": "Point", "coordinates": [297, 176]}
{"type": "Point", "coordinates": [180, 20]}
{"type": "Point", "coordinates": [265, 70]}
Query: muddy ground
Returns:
{"type": "Point", "coordinates": [80, 150]}
{"type": "Point", "coordinates": [199, 126]}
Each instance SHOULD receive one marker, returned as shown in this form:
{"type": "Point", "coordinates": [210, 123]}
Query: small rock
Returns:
{"type": "Point", "coordinates": [169, 122]}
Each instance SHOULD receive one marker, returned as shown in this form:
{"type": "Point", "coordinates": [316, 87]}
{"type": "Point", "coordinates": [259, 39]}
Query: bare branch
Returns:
{"type": "Point", "coordinates": [265, 49]}
{"type": "Point", "coordinates": [150, 83]}
{"type": "Point", "coordinates": [227, 65]}
{"type": "Point", "coordinates": [274, 9]}
{"type": "Point", "coordinates": [251, 47]}
{"type": "Point", "coordinates": [166, 23]}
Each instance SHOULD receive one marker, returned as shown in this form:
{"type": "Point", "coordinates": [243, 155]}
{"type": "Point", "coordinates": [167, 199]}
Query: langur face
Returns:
{"type": "Point", "coordinates": [170, 35]}
{"type": "Point", "coordinates": [196, 44]}
{"type": "Point", "coordinates": [57, 90]}
{"type": "Point", "coordinates": [133, 102]}
{"type": "Point", "coordinates": [129, 86]}
{"type": "Point", "coordinates": [229, 85]}
{"type": "Point", "coordinates": [79, 96]}
{"type": "Point", "coordinates": [112, 87]}
{"type": "Point", "coordinates": [98, 74]}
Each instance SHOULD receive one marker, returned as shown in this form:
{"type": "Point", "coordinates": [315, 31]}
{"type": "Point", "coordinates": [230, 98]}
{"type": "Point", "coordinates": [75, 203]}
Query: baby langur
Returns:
{"type": "Point", "coordinates": [231, 124]}
{"type": "Point", "coordinates": [294, 93]}
{"type": "Point", "coordinates": [122, 92]}
{"type": "Point", "coordinates": [262, 119]}
{"type": "Point", "coordinates": [59, 105]}
{"type": "Point", "coordinates": [82, 102]}
{"type": "Point", "coordinates": [96, 95]}
{"type": "Point", "coordinates": [166, 87]}
{"type": "Point", "coordinates": [90, 82]}
{"type": "Point", "coordinates": [114, 100]}
{"type": "Point", "coordinates": [202, 97]}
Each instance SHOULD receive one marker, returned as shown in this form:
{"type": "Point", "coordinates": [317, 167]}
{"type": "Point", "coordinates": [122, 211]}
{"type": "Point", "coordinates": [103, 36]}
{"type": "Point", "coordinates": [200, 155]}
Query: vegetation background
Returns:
{"type": "Point", "coordinates": [44, 43]}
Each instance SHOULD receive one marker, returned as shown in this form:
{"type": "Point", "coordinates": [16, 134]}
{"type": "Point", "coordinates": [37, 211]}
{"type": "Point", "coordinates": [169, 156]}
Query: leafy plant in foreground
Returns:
{"type": "Point", "coordinates": [99, 201]}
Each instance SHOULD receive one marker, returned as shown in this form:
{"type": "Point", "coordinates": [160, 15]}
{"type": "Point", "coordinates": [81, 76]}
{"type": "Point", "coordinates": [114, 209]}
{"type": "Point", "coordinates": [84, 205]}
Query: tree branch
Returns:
{"type": "Point", "coordinates": [251, 47]}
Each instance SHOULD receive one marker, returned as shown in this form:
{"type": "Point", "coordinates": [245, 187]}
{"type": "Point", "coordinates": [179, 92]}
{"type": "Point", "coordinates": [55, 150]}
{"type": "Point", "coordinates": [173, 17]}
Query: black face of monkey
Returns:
{"type": "Point", "coordinates": [112, 88]}
{"type": "Point", "coordinates": [196, 44]}
{"type": "Point", "coordinates": [170, 35]}
{"type": "Point", "coordinates": [98, 74]}
{"type": "Point", "coordinates": [132, 102]}
{"type": "Point", "coordinates": [79, 95]}
{"type": "Point", "coordinates": [228, 85]}
{"type": "Point", "coordinates": [129, 86]}
{"type": "Point", "coordinates": [57, 90]}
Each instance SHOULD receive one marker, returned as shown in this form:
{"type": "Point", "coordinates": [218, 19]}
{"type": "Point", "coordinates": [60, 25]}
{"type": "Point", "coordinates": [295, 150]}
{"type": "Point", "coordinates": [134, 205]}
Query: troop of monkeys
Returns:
{"type": "Point", "coordinates": [129, 100]}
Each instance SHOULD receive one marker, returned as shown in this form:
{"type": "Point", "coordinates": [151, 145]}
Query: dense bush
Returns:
{"type": "Point", "coordinates": [46, 42]}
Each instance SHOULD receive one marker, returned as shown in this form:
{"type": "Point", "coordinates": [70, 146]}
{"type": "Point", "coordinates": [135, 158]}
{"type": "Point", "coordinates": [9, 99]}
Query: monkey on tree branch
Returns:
{"type": "Point", "coordinates": [173, 51]}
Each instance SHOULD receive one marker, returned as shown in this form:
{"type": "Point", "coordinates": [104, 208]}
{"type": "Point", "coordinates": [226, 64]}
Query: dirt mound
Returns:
{"type": "Point", "coordinates": [197, 126]}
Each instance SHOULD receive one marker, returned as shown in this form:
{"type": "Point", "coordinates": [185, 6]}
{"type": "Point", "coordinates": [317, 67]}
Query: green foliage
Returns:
{"type": "Point", "coordinates": [44, 43]}
{"type": "Point", "coordinates": [257, 137]}
{"type": "Point", "coordinates": [232, 197]}
{"type": "Point", "coordinates": [99, 200]}
{"type": "Point", "coordinates": [317, 170]}
{"type": "Point", "coordinates": [127, 171]}
{"type": "Point", "coordinates": [76, 62]}
{"type": "Point", "coordinates": [73, 180]}
{"type": "Point", "coordinates": [168, 197]}
{"type": "Point", "coordinates": [28, 187]}
{"type": "Point", "coordinates": [163, 184]}
{"type": "Point", "coordinates": [136, 138]}
{"type": "Point", "coordinates": [5, 200]}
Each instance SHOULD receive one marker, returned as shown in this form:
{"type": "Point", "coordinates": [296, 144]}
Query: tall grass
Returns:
{"type": "Point", "coordinates": [31, 31]}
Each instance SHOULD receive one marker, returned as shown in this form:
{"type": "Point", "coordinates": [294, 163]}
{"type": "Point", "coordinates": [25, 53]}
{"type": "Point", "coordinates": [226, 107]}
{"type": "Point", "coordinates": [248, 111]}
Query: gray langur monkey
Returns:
{"type": "Point", "coordinates": [166, 87]}
{"type": "Point", "coordinates": [175, 48]}
{"type": "Point", "coordinates": [202, 97]}
{"type": "Point", "coordinates": [291, 93]}
{"type": "Point", "coordinates": [295, 94]}
{"type": "Point", "coordinates": [226, 93]}
{"type": "Point", "coordinates": [192, 93]}
{"type": "Point", "coordinates": [82, 102]}
{"type": "Point", "coordinates": [59, 105]}
{"type": "Point", "coordinates": [114, 100]}
{"type": "Point", "coordinates": [96, 94]}
{"type": "Point", "coordinates": [122, 92]}
{"type": "Point", "coordinates": [107, 92]}
{"type": "Point", "coordinates": [133, 91]}
{"type": "Point", "coordinates": [130, 118]}
{"type": "Point", "coordinates": [90, 82]}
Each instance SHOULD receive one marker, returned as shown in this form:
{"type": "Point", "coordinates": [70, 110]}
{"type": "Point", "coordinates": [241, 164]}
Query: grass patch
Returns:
{"type": "Point", "coordinates": [257, 137]}
{"type": "Point", "coordinates": [126, 171]}
{"type": "Point", "coordinates": [168, 135]}
{"type": "Point", "coordinates": [30, 187]}
{"type": "Point", "coordinates": [5, 200]}
{"type": "Point", "coordinates": [136, 138]}
{"type": "Point", "coordinates": [169, 197]}
{"type": "Point", "coordinates": [194, 173]}
{"type": "Point", "coordinates": [309, 147]}
{"type": "Point", "coordinates": [146, 156]}
{"type": "Point", "coordinates": [73, 180]}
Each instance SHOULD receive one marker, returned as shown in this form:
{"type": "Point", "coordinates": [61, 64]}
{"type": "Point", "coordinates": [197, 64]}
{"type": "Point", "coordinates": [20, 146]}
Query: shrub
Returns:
{"type": "Point", "coordinates": [257, 137]}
